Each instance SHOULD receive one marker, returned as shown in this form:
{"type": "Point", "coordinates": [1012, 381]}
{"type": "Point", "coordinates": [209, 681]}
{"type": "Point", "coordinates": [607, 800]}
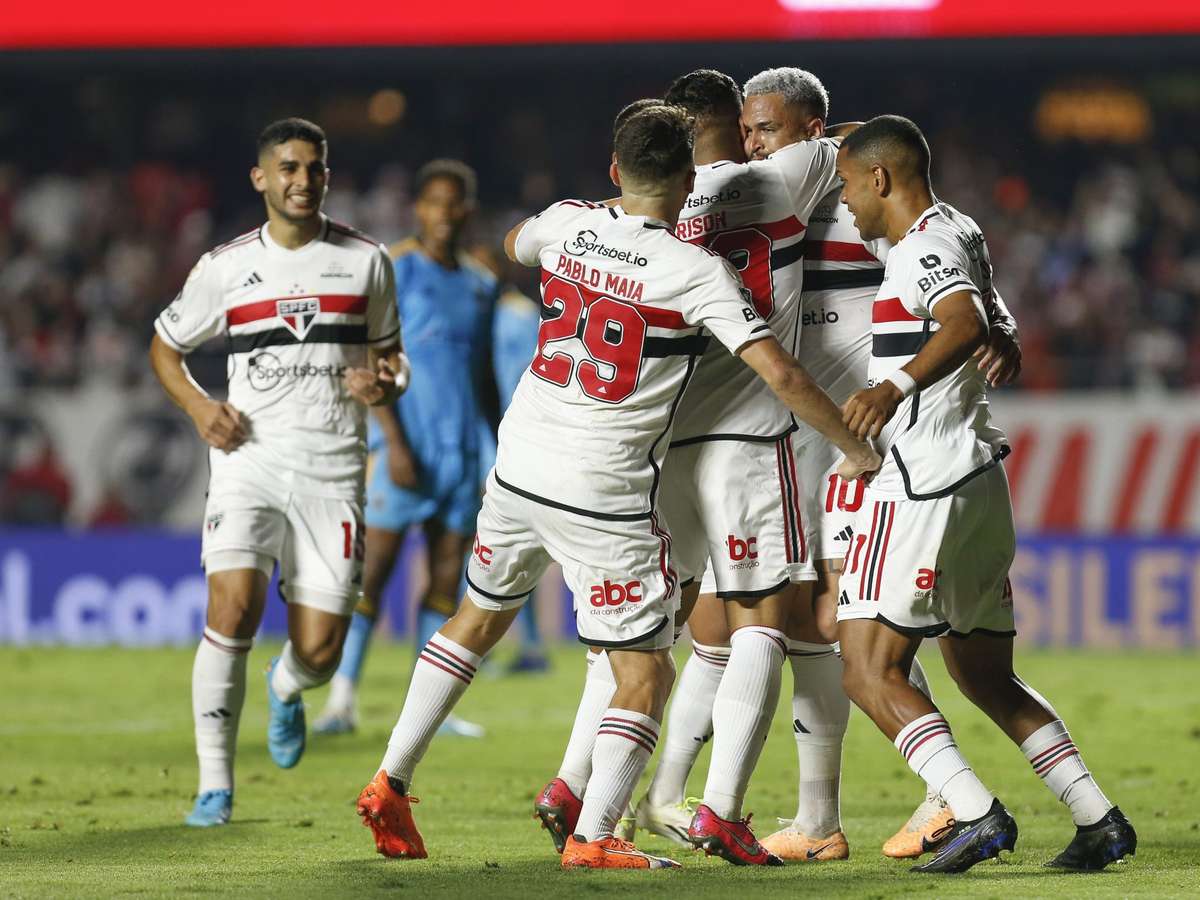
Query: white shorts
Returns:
{"type": "Point", "coordinates": [626, 593]}
{"type": "Point", "coordinates": [317, 541]}
{"type": "Point", "coordinates": [737, 504]}
{"type": "Point", "coordinates": [929, 567]}
{"type": "Point", "coordinates": [830, 502]}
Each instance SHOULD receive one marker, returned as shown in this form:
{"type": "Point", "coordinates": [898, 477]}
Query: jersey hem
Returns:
{"type": "Point", "coordinates": [576, 510]}
{"type": "Point", "coordinates": [947, 491]}
{"type": "Point", "coordinates": [986, 632]}
{"type": "Point", "coordinates": [754, 595]}
{"type": "Point", "coordinates": [503, 598]}
{"type": "Point", "coordinates": [748, 438]}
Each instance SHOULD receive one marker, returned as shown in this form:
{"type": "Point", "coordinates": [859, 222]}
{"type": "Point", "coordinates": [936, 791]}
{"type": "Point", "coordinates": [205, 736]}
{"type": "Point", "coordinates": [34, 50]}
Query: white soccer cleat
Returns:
{"type": "Point", "coordinates": [670, 820]}
{"type": "Point", "coordinates": [457, 727]}
{"type": "Point", "coordinates": [336, 720]}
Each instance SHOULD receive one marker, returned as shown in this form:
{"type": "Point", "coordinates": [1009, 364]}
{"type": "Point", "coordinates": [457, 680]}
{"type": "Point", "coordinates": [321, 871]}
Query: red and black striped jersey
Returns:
{"type": "Point", "coordinates": [294, 320]}
{"type": "Point", "coordinates": [625, 305]}
{"type": "Point", "coordinates": [755, 215]}
{"type": "Point", "coordinates": [942, 436]}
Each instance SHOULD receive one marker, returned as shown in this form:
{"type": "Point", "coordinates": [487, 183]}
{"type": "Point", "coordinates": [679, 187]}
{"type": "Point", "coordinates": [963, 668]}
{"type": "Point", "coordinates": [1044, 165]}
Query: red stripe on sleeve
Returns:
{"type": "Point", "coordinates": [838, 251]}
{"type": "Point", "coordinates": [891, 311]}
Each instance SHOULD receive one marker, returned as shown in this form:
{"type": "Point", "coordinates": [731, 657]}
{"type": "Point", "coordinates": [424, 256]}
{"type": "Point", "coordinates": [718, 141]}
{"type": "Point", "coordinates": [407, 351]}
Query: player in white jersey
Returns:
{"type": "Point", "coordinates": [307, 307]}
{"type": "Point", "coordinates": [934, 537]}
{"type": "Point", "coordinates": [577, 474]}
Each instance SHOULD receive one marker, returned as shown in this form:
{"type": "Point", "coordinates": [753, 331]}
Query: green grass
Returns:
{"type": "Point", "coordinates": [97, 772]}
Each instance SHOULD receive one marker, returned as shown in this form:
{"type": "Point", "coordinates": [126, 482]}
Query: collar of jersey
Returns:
{"type": "Point", "coordinates": [269, 241]}
{"type": "Point", "coordinates": [649, 221]}
{"type": "Point", "coordinates": [936, 208]}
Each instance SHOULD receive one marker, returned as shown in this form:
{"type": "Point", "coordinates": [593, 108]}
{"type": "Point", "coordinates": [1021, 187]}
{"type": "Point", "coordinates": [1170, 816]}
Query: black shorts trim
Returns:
{"type": "Point", "coordinates": [607, 517]}
{"type": "Point", "coordinates": [753, 595]}
{"type": "Point", "coordinates": [687, 584]}
{"type": "Point", "coordinates": [747, 438]}
{"type": "Point", "coordinates": [927, 631]}
{"type": "Point", "coordinates": [985, 632]}
{"type": "Point", "coordinates": [617, 645]}
{"type": "Point", "coordinates": [500, 597]}
{"type": "Point", "coordinates": [947, 491]}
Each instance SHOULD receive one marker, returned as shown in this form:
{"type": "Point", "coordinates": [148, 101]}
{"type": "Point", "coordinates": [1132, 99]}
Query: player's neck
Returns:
{"type": "Point", "coordinates": [292, 235]}
{"type": "Point", "coordinates": [907, 207]}
{"type": "Point", "coordinates": [716, 145]}
{"type": "Point", "coordinates": [664, 208]}
{"type": "Point", "coordinates": [445, 254]}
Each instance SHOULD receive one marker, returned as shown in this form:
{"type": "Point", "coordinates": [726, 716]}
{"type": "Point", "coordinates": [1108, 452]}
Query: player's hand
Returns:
{"type": "Point", "coordinates": [863, 464]}
{"type": "Point", "coordinates": [1000, 357]}
{"type": "Point", "coordinates": [372, 388]}
{"type": "Point", "coordinates": [868, 410]}
{"type": "Point", "coordinates": [402, 466]}
{"type": "Point", "coordinates": [220, 425]}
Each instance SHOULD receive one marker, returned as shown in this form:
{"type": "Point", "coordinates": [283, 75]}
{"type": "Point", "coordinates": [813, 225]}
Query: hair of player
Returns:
{"type": "Point", "coordinates": [292, 129]}
{"type": "Point", "coordinates": [629, 109]}
{"type": "Point", "coordinates": [799, 87]}
{"type": "Point", "coordinates": [894, 142]}
{"type": "Point", "coordinates": [705, 94]}
{"type": "Point", "coordinates": [653, 145]}
{"type": "Point", "coordinates": [455, 170]}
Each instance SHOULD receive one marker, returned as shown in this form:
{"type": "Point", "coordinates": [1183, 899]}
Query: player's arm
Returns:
{"type": "Point", "coordinates": [1000, 358]}
{"type": "Point", "coordinates": [964, 328]}
{"type": "Point", "coordinates": [804, 397]}
{"type": "Point", "coordinates": [401, 461]}
{"type": "Point", "coordinates": [510, 241]}
{"type": "Point", "coordinates": [218, 424]}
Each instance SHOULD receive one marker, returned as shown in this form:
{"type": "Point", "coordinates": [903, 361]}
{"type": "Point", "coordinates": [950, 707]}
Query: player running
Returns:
{"type": "Point", "coordinates": [933, 539]}
{"type": "Point", "coordinates": [625, 305]}
{"type": "Point", "coordinates": [425, 450]}
{"type": "Point", "coordinates": [307, 305]}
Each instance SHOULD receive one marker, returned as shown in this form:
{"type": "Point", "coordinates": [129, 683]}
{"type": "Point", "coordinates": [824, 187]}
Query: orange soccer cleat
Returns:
{"type": "Point", "coordinates": [389, 816]}
{"type": "Point", "coordinates": [924, 830]}
{"type": "Point", "coordinates": [610, 853]}
{"type": "Point", "coordinates": [792, 845]}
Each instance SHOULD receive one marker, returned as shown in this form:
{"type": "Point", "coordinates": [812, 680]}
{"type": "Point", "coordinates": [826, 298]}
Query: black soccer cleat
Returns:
{"type": "Point", "coordinates": [1095, 846]}
{"type": "Point", "coordinates": [967, 843]}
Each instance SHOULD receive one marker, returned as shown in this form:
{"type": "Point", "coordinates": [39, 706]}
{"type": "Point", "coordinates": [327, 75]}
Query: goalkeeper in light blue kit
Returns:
{"type": "Point", "coordinates": [425, 453]}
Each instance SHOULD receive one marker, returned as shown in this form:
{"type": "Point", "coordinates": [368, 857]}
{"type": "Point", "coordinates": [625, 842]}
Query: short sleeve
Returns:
{"type": "Point", "coordinates": [197, 313]}
{"type": "Point", "coordinates": [809, 172]}
{"type": "Point", "coordinates": [383, 322]}
{"type": "Point", "coordinates": [544, 229]}
{"type": "Point", "coordinates": [936, 270]}
{"type": "Point", "coordinates": [721, 304]}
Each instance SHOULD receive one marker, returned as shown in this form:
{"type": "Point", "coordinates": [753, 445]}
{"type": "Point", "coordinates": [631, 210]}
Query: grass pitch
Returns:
{"type": "Point", "coordinates": [97, 772]}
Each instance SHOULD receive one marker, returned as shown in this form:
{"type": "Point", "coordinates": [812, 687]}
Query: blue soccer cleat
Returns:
{"type": "Point", "coordinates": [212, 808]}
{"type": "Point", "coordinates": [285, 727]}
{"type": "Point", "coordinates": [971, 842]}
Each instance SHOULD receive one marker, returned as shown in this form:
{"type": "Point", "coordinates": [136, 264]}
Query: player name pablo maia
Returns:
{"type": "Point", "coordinates": [613, 285]}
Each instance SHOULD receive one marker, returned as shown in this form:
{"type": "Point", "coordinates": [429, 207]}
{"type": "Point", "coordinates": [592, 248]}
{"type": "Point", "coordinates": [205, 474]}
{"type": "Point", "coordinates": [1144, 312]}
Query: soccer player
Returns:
{"type": "Point", "coordinates": [425, 450]}
{"type": "Point", "coordinates": [307, 305]}
{"type": "Point", "coordinates": [933, 539]}
{"type": "Point", "coordinates": [578, 469]}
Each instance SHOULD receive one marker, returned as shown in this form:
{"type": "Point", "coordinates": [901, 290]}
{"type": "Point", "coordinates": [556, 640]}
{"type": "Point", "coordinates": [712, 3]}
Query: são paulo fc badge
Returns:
{"type": "Point", "coordinates": [298, 315]}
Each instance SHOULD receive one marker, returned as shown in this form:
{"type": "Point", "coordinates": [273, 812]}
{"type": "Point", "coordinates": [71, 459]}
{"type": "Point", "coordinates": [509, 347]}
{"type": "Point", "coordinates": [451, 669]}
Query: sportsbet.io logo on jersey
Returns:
{"type": "Point", "coordinates": [585, 242]}
{"type": "Point", "coordinates": [266, 371]}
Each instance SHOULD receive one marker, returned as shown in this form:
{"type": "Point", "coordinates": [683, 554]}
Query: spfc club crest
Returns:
{"type": "Point", "coordinates": [298, 315]}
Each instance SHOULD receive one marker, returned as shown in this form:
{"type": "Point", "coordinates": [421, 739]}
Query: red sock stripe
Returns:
{"type": "Point", "coordinates": [426, 658]}
{"type": "Point", "coordinates": [1043, 768]}
{"type": "Point", "coordinates": [932, 726]}
{"type": "Point", "coordinates": [431, 655]}
{"type": "Point", "coordinates": [462, 662]}
{"type": "Point", "coordinates": [713, 659]}
{"type": "Point", "coordinates": [649, 748]}
{"type": "Point", "coordinates": [917, 746]}
{"type": "Point", "coordinates": [1042, 755]}
{"type": "Point", "coordinates": [234, 650]}
{"type": "Point", "coordinates": [642, 730]}
{"type": "Point", "coordinates": [777, 641]}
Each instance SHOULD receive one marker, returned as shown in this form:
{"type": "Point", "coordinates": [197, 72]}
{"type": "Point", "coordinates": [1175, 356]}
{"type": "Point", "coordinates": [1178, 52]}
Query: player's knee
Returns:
{"type": "Point", "coordinates": [318, 653]}
{"type": "Point", "coordinates": [232, 612]}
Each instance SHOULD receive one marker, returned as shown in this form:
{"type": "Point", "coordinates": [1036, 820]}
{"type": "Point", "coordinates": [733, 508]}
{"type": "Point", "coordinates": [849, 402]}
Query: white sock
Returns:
{"type": "Point", "coordinates": [916, 677]}
{"type": "Point", "coordinates": [742, 713]}
{"type": "Point", "coordinates": [598, 689]}
{"type": "Point", "coordinates": [1057, 762]}
{"type": "Point", "coordinates": [689, 723]}
{"type": "Point", "coordinates": [341, 693]}
{"type": "Point", "coordinates": [624, 742]}
{"type": "Point", "coordinates": [444, 670]}
{"type": "Point", "coordinates": [291, 677]}
{"type": "Point", "coordinates": [820, 714]}
{"type": "Point", "coordinates": [929, 748]}
{"type": "Point", "coordinates": [218, 691]}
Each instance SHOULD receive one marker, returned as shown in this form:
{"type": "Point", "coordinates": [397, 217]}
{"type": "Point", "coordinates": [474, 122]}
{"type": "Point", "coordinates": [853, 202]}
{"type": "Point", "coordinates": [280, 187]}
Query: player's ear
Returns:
{"type": "Point", "coordinates": [881, 180]}
{"type": "Point", "coordinates": [816, 128]}
{"type": "Point", "coordinates": [613, 172]}
{"type": "Point", "coordinates": [258, 178]}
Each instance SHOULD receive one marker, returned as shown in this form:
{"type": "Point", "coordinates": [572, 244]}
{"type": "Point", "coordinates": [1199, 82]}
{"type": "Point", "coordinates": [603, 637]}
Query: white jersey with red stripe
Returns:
{"type": "Point", "coordinates": [943, 436]}
{"type": "Point", "coordinates": [754, 214]}
{"type": "Point", "coordinates": [624, 305]}
{"type": "Point", "coordinates": [841, 276]}
{"type": "Point", "coordinates": [295, 321]}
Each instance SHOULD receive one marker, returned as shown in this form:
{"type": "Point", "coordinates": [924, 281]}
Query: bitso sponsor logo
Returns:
{"type": "Point", "coordinates": [586, 242]}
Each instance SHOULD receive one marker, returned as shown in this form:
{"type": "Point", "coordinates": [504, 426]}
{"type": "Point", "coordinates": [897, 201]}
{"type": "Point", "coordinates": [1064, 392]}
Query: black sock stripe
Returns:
{"type": "Point", "coordinates": [446, 660]}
